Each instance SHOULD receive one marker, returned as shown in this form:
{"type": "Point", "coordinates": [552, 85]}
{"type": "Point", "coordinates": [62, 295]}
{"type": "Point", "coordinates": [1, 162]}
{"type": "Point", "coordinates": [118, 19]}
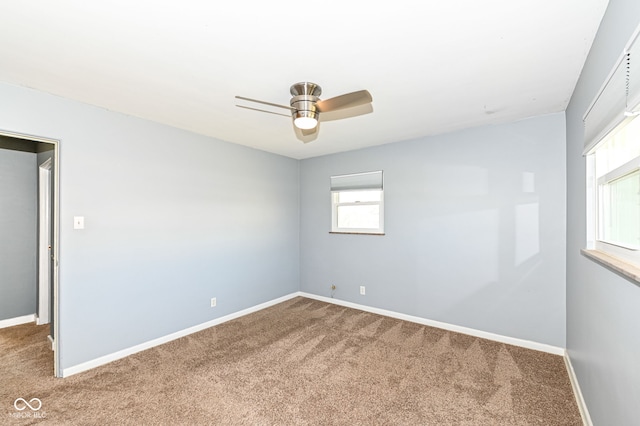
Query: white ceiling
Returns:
{"type": "Point", "coordinates": [431, 66]}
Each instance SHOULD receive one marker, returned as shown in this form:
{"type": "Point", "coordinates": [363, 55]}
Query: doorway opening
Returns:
{"type": "Point", "coordinates": [39, 165]}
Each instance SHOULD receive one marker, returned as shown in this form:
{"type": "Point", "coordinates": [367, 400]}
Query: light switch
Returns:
{"type": "Point", "coordinates": [78, 222]}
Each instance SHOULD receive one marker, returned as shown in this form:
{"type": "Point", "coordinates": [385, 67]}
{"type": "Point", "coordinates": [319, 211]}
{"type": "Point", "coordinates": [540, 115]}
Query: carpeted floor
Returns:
{"type": "Point", "coordinates": [302, 362]}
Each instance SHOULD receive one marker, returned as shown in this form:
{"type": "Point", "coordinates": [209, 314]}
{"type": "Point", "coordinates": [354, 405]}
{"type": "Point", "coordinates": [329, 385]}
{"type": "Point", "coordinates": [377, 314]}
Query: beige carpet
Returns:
{"type": "Point", "coordinates": [302, 362]}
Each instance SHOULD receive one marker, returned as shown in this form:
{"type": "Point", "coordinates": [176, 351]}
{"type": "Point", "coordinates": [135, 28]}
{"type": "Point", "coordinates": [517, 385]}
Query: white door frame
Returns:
{"type": "Point", "coordinates": [44, 242]}
{"type": "Point", "coordinates": [57, 371]}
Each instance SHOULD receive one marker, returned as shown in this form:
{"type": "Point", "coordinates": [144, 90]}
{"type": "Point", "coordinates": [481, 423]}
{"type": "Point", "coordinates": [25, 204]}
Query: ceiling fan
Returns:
{"type": "Point", "coordinates": [305, 106]}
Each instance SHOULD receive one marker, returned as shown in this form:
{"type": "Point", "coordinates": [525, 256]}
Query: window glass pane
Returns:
{"type": "Point", "coordinates": [621, 221]}
{"type": "Point", "coordinates": [355, 196]}
{"type": "Point", "coordinates": [358, 217]}
{"type": "Point", "coordinates": [620, 147]}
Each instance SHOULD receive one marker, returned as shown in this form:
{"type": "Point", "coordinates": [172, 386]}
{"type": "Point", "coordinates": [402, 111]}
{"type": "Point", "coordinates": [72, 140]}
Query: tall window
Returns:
{"type": "Point", "coordinates": [615, 171]}
{"type": "Point", "coordinates": [612, 149]}
{"type": "Point", "coordinates": [357, 203]}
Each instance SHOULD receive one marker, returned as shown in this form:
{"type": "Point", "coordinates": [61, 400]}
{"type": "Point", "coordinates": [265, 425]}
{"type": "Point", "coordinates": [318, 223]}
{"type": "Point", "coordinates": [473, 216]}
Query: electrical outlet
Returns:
{"type": "Point", "coordinates": [213, 302]}
{"type": "Point", "coordinates": [362, 291]}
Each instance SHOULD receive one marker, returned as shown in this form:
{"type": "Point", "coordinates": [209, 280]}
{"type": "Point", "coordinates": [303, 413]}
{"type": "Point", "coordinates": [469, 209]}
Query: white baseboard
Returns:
{"type": "Point", "coordinates": [39, 321]}
{"type": "Point", "coordinates": [69, 371]}
{"type": "Point", "coordinates": [88, 365]}
{"type": "Point", "coordinates": [17, 320]}
{"type": "Point", "coordinates": [582, 405]}
{"type": "Point", "coordinates": [450, 327]}
{"type": "Point", "coordinates": [53, 343]}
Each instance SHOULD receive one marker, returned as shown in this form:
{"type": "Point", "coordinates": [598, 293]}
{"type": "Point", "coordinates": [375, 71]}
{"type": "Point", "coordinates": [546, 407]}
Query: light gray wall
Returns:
{"type": "Point", "coordinates": [18, 202]}
{"type": "Point", "coordinates": [172, 219]}
{"type": "Point", "coordinates": [464, 243]}
{"type": "Point", "coordinates": [603, 309]}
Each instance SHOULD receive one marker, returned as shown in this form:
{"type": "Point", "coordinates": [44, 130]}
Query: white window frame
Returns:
{"type": "Point", "coordinates": [615, 105]}
{"type": "Point", "coordinates": [630, 254]}
{"type": "Point", "coordinates": [335, 204]}
{"type": "Point", "coordinates": [357, 182]}
{"type": "Point", "coordinates": [597, 196]}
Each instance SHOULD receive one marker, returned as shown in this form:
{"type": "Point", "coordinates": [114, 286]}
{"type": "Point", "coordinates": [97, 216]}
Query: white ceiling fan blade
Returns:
{"type": "Point", "coordinates": [346, 113]}
{"type": "Point", "coordinates": [347, 100]}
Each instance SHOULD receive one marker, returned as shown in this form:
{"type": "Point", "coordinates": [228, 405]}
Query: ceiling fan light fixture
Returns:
{"type": "Point", "coordinates": [305, 123]}
{"type": "Point", "coordinates": [306, 118]}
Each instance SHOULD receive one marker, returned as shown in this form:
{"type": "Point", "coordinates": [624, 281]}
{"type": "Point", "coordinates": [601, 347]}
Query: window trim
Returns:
{"type": "Point", "coordinates": [620, 259]}
{"type": "Point", "coordinates": [356, 182]}
{"type": "Point", "coordinates": [364, 231]}
{"type": "Point", "coordinates": [617, 248]}
{"type": "Point", "coordinates": [616, 103]}
{"type": "Point", "coordinates": [621, 267]}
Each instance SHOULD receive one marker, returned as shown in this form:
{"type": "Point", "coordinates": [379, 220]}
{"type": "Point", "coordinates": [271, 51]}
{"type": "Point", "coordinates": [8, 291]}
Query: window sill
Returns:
{"type": "Point", "coordinates": [357, 233]}
{"type": "Point", "coordinates": [618, 265]}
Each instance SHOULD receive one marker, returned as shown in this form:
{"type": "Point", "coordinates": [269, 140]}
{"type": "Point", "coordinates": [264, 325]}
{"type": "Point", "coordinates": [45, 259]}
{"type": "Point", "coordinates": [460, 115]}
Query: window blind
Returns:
{"type": "Point", "coordinates": [633, 83]}
{"type": "Point", "coordinates": [357, 181]}
{"type": "Point", "coordinates": [607, 110]}
{"type": "Point", "coordinates": [618, 99]}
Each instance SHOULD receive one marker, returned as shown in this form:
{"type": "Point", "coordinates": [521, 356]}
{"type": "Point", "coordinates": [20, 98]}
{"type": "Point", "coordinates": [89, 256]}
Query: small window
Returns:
{"type": "Point", "coordinates": [615, 165]}
{"type": "Point", "coordinates": [357, 203]}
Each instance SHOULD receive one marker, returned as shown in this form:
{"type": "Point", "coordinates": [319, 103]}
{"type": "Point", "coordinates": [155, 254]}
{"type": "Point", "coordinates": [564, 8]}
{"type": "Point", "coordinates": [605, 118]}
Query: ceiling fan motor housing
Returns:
{"type": "Point", "coordinates": [305, 95]}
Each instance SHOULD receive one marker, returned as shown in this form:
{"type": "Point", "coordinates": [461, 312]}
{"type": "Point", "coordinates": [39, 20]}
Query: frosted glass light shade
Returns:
{"type": "Point", "coordinates": [305, 123]}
